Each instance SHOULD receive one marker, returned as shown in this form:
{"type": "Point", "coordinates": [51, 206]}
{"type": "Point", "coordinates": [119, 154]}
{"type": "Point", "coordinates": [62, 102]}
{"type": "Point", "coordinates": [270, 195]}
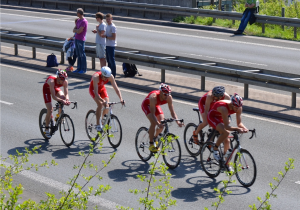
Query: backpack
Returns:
{"type": "Point", "coordinates": [130, 70]}
{"type": "Point", "coordinates": [51, 60]}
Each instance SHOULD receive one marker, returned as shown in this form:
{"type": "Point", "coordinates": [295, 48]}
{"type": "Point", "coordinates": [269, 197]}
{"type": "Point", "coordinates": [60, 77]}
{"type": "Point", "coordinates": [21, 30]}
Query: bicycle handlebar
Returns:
{"type": "Point", "coordinates": [170, 120]}
{"type": "Point", "coordinates": [75, 104]}
{"type": "Point", "coordinates": [112, 103]}
{"type": "Point", "coordinates": [253, 133]}
{"type": "Point", "coordinates": [71, 102]}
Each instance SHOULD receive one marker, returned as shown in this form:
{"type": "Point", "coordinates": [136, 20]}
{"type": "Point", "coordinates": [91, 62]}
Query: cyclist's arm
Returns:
{"type": "Point", "coordinates": [227, 96]}
{"type": "Point", "coordinates": [66, 91]}
{"type": "Point", "coordinates": [239, 120]}
{"type": "Point", "coordinates": [152, 104]}
{"type": "Point", "coordinates": [172, 111]}
{"type": "Point", "coordinates": [226, 121]}
{"type": "Point", "coordinates": [52, 91]}
{"type": "Point", "coordinates": [96, 81]}
{"type": "Point", "coordinates": [115, 86]}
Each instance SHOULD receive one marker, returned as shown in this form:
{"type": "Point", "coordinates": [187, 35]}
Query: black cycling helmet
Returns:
{"type": "Point", "coordinates": [218, 91]}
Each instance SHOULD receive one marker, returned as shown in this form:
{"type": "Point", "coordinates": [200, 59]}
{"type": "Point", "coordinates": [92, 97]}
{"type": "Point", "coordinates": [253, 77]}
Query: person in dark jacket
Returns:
{"type": "Point", "coordinates": [248, 13]}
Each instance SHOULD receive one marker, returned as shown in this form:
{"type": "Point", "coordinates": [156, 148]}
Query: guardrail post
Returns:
{"type": "Point", "coordinates": [62, 57]}
{"type": "Point", "coordinates": [282, 15]}
{"type": "Point", "coordinates": [127, 12]}
{"type": "Point", "coordinates": [93, 63]}
{"type": "Point", "coordinates": [295, 32]}
{"type": "Point", "coordinates": [294, 100]}
{"type": "Point", "coordinates": [43, 4]}
{"type": "Point", "coordinates": [33, 52]}
{"type": "Point", "coordinates": [163, 75]}
{"type": "Point", "coordinates": [144, 14]}
{"type": "Point", "coordinates": [202, 82]}
{"type": "Point", "coordinates": [112, 10]}
{"type": "Point", "coordinates": [55, 5]}
{"type": "Point", "coordinates": [6, 1]}
{"type": "Point", "coordinates": [160, 15]}
{"type": "Point", "coordinates": [246, 91]}
{"type": "Point", "coordinates": [214, 20]}
{"type": "Point", "coordinates": [263, 28]}
{"type": "Point", "coordinates": [19, 2]}
{"type": "Point", "coordinates": [69, 6]}
{"type": "Point", "coordinates": [31, 3]}
{"type": "Point", "coordinates": [16, 49]}
{"type": "Point", "coordinates": [233, 22]}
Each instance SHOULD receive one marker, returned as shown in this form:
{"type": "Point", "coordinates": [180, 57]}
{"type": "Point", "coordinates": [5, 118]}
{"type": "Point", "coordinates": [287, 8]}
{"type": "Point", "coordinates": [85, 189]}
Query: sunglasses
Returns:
{"type": "Point", "coordinates": [166, 94]}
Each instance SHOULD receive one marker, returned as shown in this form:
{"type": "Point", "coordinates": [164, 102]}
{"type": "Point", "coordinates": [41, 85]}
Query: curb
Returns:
{"type": "Point", "coordinates": [190, 98]}
{"type": "Point", "coordinates": [128, 19]}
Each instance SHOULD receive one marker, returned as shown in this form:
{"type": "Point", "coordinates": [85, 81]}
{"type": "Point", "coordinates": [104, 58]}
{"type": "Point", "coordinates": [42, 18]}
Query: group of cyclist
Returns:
{"type": "Point", "coordinates": [215, 106]}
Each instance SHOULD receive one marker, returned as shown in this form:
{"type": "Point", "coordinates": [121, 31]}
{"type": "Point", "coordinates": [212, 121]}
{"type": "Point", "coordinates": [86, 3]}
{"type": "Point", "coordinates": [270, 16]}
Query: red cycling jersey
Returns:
{"type": "Point", "coordinates": [201, 103]}
{"type": "Point", "coordinates": [146, 103]}
{"type": "Point", "coordinates": [46, 89]}
{"type": "Point", "coordinates": [214, 117]}
{"type": "Point", "coordinates": [101, 88]}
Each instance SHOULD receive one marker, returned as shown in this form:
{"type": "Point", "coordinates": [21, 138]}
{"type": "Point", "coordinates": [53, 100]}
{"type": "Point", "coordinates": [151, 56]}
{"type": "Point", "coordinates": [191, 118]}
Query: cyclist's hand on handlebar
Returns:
{"type": "Point", "coordinates": [68, 102]}
{"type": "Point", "coordinates": [123, 102]}
{"type": "Point", "coordinates": [180, 124]}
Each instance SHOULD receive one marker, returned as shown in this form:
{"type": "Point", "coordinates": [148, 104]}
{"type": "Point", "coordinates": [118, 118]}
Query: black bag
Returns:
{"type": "Point", "coordinates": [130, 70]}
{"type": "Point", "coordinates": [51, 60]}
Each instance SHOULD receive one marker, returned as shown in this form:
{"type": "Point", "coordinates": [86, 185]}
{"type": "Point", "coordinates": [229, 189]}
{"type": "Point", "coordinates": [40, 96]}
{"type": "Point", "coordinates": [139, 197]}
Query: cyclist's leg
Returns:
{"type": "Point", "coordinates": [98, 110]}
{"type": "Point", "coordinates": [152, 127]}
{"type": "Point", "coordinates": [105, 111]}
{"type": "Point", "coordinates": [103, 94]}
{"type": "Point", "coordinates": [59, 94]}
{"type": "Point", "coordinates": [201, 106]}
{"type": "Point", "coordinates": [160, 116]}
{"type": "Point", "coordinates": [49, 114]}
{"type": "Point", "coordinates": [223, 137]}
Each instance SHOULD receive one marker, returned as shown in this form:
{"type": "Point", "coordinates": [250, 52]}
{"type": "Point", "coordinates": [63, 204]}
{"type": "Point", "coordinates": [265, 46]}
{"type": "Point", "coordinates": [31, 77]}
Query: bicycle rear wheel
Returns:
{"type": "Point", "coordinates": [42, 122]}
{"type": "Point", "coordinates": [245, 168]}
{"type": "Point", "coordinates": [115, 129]}
{"type": "Point", "coordinates": [192, 148]}
{"type": "Point", "coordinates": [67, 130]}
{"type": "Point", "coordinates": [142, 144]}
{"type": "Point", "coordinates": [90, 125]}
{"type": "Point", "coordinates": [210, 166]}
{"type": "Point", "coordinates": [172, 152]}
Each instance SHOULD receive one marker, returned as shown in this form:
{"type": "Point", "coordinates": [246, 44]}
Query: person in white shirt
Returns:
{"type": "Point", "coordinates": [100, 32]}
{"type": "Point", "coordinates": [111, 43]}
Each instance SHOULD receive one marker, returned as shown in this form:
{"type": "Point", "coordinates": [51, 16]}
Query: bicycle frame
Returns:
{"type": "Point", "coordinates": [110, 112]}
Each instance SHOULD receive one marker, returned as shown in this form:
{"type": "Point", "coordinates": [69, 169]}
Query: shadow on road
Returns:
{"type": "Point", "coordinates": [134, 168]}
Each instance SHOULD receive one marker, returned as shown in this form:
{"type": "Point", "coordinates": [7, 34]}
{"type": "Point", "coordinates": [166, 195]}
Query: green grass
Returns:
{"type": "Point", "coordinates": [271, 31]}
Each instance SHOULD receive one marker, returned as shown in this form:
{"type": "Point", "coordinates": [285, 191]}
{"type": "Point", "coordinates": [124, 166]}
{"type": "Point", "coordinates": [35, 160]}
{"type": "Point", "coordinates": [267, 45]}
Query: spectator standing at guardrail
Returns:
{"type": "Point", "coordinates": [248, 13]}
{"type": "Point", "coordinates": [111, 43]}
{"type": "Point", "coordinates": [100, 39]}
{"type": "Point", "coordinates": [80, 37]}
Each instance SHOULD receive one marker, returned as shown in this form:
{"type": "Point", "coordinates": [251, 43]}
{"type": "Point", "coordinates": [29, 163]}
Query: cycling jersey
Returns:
{"type": "Point", "coordinates": [214, 117]}
{"type": "Point", "coordinates": [46, 89]}
{"type": "Point", "coordinates": [101, 88]}
{"type": "Point", "coordinates": [146, 103]}
{"type": "Point", "coordinates": [201, 103]}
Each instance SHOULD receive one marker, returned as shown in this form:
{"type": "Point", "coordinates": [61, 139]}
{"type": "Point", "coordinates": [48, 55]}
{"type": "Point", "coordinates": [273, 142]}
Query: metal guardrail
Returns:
{"type": "Point", "coordinates": [171, 10]}
{"type": "Point", "coordinates": [248, 76]}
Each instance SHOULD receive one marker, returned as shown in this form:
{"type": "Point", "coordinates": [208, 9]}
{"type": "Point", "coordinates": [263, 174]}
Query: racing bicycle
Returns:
{"type": "Point", "coordinates": [172, 152]}
{"type": "Point", "coordinates": [63, 122]}
{"type": "Point", "coordinates": [245, 166]}
{"type": "Point", "coordinates": [114, 126]}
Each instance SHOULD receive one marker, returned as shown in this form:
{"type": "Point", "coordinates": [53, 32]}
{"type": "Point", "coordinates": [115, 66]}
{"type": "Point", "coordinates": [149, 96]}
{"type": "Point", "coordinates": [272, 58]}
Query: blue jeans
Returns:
{"type": "Point", "coordinates": [245, 19]}
{"type": "Point", "coordinates": [80, 53]}
{"type": "Point", "coordinates": [110, 57]}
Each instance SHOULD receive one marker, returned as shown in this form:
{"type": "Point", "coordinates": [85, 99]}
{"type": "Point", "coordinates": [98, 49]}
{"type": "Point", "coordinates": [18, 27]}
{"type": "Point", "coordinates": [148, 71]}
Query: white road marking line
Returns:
{"type": "Point", "coordinates": [298, 182]}
{"type": "Point", "coordinates": [176, 34]}
{"type": "Point", "coordinates": [175, 100]}
{"type": "Point", "coordinates": [61, 186]}
{"type": "Point", "coordinates": [4, 102]}
{"type": "Point", "coordinates": [225, 59]}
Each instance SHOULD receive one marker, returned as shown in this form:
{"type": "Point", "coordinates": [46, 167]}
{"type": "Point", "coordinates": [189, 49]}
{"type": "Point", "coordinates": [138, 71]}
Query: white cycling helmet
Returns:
{"type": "Point", "coordinates": [106, 72]}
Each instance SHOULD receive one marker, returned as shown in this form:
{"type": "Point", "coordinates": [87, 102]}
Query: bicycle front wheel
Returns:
{"type": "Point", "coordinates": [142, 144]}
{"type": "Point", "coordinates": [210, 166]}
{"type": "Point", "coordinates": [245, 168]}
{"type": "Point", "coordinates": [114, 129]}
{"type": "Point", "coordinates": [192, 148]}
{"type": "Point", "coordinates": [172, 151]}
{"type": "Point", "coordinates": [90, 125]}
{"type": "Point", "coordinates": [42, 122]}
{"type": "Point", "coordinates": [67, 130]}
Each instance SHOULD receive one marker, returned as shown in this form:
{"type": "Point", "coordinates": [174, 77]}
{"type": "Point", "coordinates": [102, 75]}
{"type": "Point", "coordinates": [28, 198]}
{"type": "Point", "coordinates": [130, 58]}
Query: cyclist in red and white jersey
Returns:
{"type": "Point", "coordinates": [51, 89]}
{"type": "Point", "coordinates": [205, 103]}
{"type": "Point", "coordinates": [99, 94]}
{"type": "Point", "coordinates": [154, 113]}
{"type": "Point", "coordinates": [219, 120]}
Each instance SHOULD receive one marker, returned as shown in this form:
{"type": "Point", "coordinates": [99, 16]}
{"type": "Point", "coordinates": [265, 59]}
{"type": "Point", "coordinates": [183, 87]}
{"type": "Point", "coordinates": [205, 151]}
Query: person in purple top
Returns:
{"type": "Point", "coordinates": [80, 37]}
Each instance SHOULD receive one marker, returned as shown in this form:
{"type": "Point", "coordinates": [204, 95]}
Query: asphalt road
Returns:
{"type": "Point", "coordinates": [257, 52]}
{"type": "Point", "coordinates": [276, 142]}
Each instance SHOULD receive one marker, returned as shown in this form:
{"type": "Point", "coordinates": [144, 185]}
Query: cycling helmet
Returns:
{"type": "Point", "coordinates": [106, 72]}
{"type": "Point", "coordinates": [165, 89]}
{"type": "Point", "coordinates": [218, 91]}
{"type": "Point", "coordinates": [62, 74]}
{"type": "Point", "coordinates": [237, 100]}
